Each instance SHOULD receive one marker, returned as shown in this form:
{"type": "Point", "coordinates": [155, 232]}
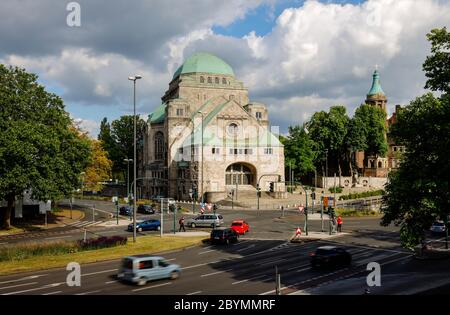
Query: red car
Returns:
{"type": "Point", "coordinates": [240, 226]}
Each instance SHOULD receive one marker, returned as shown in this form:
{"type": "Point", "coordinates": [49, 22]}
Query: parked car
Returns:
{"type": "Point", "coordinates": [145, 209]}
{"type": "Point", "coordinates": [140, 269]}
{"type": "Point", "coordinates": [438, 227]}
{"type": "Point", "coordinates": [330, 256]}
{"type": "Point", "coordinates": [240, 226]}
{"type": "Point", "coordinates": [146, 225]}
{"type": "Point", "coordinates": [224, 236]}
{"type": "Point", "coordinates": [126, 210]}
{"type": "Point", "coordinates": [208, 220]}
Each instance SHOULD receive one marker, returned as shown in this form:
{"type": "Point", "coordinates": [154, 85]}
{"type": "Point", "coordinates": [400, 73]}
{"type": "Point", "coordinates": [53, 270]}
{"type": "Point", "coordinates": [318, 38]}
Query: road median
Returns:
{"type": "Point", "coordinates": [144, 245]}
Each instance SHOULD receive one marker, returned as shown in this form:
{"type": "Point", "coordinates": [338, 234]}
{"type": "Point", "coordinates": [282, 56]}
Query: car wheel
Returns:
{"type": "Point", "coordinates": [192, 225]}
{"type": "Point", "coordinates": [212, 225]}
{"type": "Point", "coordinates": [139, 229]}
{"type": "Point", "coordinates": [142, 281]}
{"type": "Point", "coordinates": [174, 275]}
{"type": "Point", "coordinates": [158, 228]}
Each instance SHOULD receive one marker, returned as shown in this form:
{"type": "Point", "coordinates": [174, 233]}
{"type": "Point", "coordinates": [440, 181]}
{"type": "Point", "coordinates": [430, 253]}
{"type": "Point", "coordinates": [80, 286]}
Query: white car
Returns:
{"type": "Point", "coordinates": [438, 227]}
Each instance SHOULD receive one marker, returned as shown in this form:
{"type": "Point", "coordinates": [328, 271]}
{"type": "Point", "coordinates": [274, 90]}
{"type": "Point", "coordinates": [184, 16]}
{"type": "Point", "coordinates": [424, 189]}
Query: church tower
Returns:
{"type": "Point", "coordinates": [376, 96]}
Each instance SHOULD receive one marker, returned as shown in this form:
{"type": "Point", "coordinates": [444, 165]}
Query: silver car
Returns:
{"type": "Point", "coordinates": [142, 268]}
{"type": "Point", "coordinates": [438, 227]}
{"type": "Point", "coordinates": [206, 220]}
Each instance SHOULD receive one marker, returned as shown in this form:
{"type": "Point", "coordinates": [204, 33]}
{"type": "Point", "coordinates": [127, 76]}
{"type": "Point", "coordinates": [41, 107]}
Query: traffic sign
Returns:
{"type": "Point", "coordinates": [325, 201]}
{"type": "Point", "coordinates": [301, 208]}
{"type": "Point", "coordinates": [298, 231]}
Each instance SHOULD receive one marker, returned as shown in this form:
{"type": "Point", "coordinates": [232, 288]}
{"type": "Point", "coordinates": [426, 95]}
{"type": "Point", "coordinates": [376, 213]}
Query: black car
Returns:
{"type": "Point", "coordinates": [224, 236]}
{"type": "Point", "coordinates": [330, 256]}
{"type": "Point", "coordinates": [145, 209]}
{"type": "Point", "coordinates": [126, 210]}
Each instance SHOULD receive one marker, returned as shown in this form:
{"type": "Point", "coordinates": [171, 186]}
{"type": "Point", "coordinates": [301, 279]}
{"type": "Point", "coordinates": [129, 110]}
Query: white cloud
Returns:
{"type": "Point", "coordinates": [90, 126]}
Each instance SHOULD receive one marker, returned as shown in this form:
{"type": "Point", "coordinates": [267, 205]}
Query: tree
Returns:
{"type": "Point", "coordinates": [122, 133]}
{"type": "Point", "coordinates": [99, 168]}
{"type": "Point", "coordinates": [437, 65]}
{"type": "Point", "coordinates": [419, 192]}
{"type": "Point", "coordinates": [40, 148]}
{"type": "Point", "coordinates": [328, 131]}
{"type": "Point", "coordinates": [298, 151]}
{"type": "Point", "coordinates": [105, 137]}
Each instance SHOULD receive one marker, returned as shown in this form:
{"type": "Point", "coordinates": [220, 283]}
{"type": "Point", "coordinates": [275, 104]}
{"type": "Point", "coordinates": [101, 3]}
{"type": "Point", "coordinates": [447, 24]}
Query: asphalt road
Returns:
{"type": "Point", "coordinates": [247, 267]}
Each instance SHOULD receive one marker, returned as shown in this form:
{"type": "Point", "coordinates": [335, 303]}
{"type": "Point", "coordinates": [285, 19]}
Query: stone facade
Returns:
{"type": "Point", "coordinates": [207, 137]}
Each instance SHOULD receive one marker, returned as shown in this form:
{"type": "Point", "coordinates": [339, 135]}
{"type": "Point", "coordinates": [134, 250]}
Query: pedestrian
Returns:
{"type": "Point", "coordinates": [181, 222]}
{"type": "Point", "coordinates": [339, 224]}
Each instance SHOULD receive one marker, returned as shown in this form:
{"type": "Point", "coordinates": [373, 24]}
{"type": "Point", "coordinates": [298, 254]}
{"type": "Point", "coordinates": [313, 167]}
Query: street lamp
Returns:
{"type": "Point", "coordinates": [202, 192]}
{"type": "Point", "coordinates": [326, 168]}
{"type": "Point", "coordinates": [128, 175]}
{"type": "Point", "coordinates": [136, 77]}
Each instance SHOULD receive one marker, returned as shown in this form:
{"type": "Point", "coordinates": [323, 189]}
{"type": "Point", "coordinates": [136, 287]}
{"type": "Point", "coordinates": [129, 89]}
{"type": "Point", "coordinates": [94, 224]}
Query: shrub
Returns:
{"type": "Point", "coordinates": [102, 242]}
{"type": "Point", "coordinates": [364, 194]}
{"type": "Point", "coordinates": [338, 189]}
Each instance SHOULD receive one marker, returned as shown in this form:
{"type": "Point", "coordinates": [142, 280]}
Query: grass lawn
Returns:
{"type": "Point", "coordinates": [144, 245]}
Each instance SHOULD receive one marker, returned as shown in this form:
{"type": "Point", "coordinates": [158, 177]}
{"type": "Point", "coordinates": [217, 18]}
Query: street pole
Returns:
{"type": "Point", "coordinates": [117, 210]}
{"type": "Point", "coordinates": [306, 219]}
{"type": "Point", "coordinates": [334, 200]}
{"type": "Point", "coordinates": [161, 229]}
{"type": "Point", "coordinates": [321, 213]}
{"type": "Point", "coordinates": [290, 175]}
{"type": "Point", "coordinates": [93, 213]}
{"type": "Point", "coordinates": [326, 169]}
{"type": "Point", "coordinates": [174, 220]}
{"type": "Point", "coordinates": [70, 207]}
{"type": "Point", "coordinates": [136, 77]}
{"type": "Point", "coordinates": [446, 231]}
{"type": "Point", "coordinates": [236, 191]}
{"type": "Point", "coordinates": [201, 113]}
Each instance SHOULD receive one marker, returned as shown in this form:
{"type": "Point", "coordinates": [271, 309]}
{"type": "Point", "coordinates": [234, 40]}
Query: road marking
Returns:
{"type": "Point", "coordinates": [18, 285]}
{"type": "Point", "coordinates": [95, 273]}
{"type": "Point", "coordinates": [51, 293]}
{"type": "Point", "coordinates": [208, 251]}
{"type": "Point", "coordinates": [207, 247]}
{"type": "Point", "coordinates": [3, 243]}
{"type": "Point", "coordinates": [154, 286]}
{"type": "Point", "coordinates": [298, 267]}
{"type": "Point", "coordinates": [90, 292]}
{"type": "Point", "coordinates": [252, 278]}
{"type": "Point", "coordinates": [303, 269]}
{"type": "Point", "coordinates": [215, 273]}
{"type": "Point", "coordinates": [273, 261]}
{"type": "Point", "coordinates": [245, 248]}
{"type": "Point", "coordinates": [57, 237]}
{"type": "Point", "coordinates": [23, 279]}
{"type": "Point", "coordinates": [113, 281]}
{"type": "Point", "coordinates": [199, 265]}
{"type": "Point", "coordinates": [36, 289]}
{"type": "Point", "coordinates": [193, 293]}
{"type": "Point", "coordinates": [170, 259]}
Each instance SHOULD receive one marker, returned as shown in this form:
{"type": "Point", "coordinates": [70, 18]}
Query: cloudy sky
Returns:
{"type": "Point", "coordinates": [296, 56]}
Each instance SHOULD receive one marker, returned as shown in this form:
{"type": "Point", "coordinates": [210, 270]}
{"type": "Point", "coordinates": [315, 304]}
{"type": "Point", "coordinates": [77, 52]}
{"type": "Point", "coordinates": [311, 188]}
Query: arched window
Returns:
{"type": "Point", "coordinates": [233, 129]}
{"type": "Point", "coordinates": [202, 79]}
{"type": "Point", "coordinates": [159, 146]}
{"type": "Point", "coordinates": [238, 174]}
{"type": "Point", "coordinates": [217, 81]}
{"type": "Point", "coordinates": [209, 80]}
{"type": "Point", "coordinates": [224, 81]}
{"type": "Point", "coordinates": [380, 164]}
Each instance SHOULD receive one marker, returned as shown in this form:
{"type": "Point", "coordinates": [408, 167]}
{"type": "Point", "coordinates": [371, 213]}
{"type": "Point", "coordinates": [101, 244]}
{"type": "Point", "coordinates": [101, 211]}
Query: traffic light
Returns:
{"type": "Point", "coordinates": [214, 207]}
{"type": "Point", "coordinates": [271, 189]}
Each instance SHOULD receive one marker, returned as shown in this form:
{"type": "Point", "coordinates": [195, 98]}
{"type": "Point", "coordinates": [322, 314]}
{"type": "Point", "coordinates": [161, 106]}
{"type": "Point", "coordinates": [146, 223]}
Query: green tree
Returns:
{"type": "Point", "coordinates": [328, 131]}
{"type": "Point", "coordinates": [298, 151]}
{"type": "Point", "coordinates": [419, 192]}
{"type": "Point", "coordinates": [40, 149]}
{"type": "Point", "coordinates": [437, 65]}
{"type": "Point", "coordinates": [122, 133]}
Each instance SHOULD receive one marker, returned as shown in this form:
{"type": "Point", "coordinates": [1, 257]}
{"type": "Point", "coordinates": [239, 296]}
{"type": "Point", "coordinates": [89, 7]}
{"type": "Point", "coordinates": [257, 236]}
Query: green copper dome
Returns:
{"type": "Point", "coordinates": [204, 62]}
{"type": "Point", "coordinates": [376, 86]}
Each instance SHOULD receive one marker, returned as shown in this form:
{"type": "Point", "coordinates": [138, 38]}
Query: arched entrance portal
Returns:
{"type": "Point", "coordinates": [240, 174]}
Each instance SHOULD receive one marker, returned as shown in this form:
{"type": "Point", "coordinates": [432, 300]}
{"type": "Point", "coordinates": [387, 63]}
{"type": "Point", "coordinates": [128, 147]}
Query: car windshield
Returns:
{"type": "Point", "coordinates": [236, 224]}
{"type": "Point", "coordinates": [127, 263]}
{"type": "Point", "coordinates": [438, 224]}
{"type": "Point", "coordinates": [217, 233]}
{"type": "Point", "coordinates": [322, 251]}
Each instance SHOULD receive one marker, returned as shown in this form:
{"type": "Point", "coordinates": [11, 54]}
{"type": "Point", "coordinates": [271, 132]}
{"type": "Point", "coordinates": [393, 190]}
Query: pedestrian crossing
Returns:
{"type": "Point", "coordinates": [83, 224]}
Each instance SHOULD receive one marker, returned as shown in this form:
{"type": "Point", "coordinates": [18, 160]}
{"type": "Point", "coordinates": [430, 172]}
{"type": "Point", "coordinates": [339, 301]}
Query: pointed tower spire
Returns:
{"type": "Point", "coordinates": [376, 96]}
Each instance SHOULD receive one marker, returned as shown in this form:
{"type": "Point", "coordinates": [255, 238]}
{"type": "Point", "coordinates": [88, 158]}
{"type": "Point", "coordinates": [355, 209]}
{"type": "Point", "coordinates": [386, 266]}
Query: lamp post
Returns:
{"type": "Point", "coordinates": [128, 175]}
{"type": "Point", "coordinates": [326, 168]}
{"type": "Point", "coordinates": [136, 77]}
{"type": "Point", "coordinates": [202, 191]}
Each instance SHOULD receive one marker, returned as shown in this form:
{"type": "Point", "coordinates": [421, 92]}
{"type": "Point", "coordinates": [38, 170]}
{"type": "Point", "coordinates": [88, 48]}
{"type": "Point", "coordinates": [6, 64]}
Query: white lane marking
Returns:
{"type": "Point", "coordinates": [51, 293]}
{"type": "Point", "coordinates": [303, 269]}
{"type": "Point", "coordinates": [36, 289]}
{"type": "Point", "coordinates": [113, 281]}
{"type": "Point", "coordinates": [23, 279]}
{"type": "Point", "coordinates": [245, 248]}
{"type": "Point", "coordinates": [273, 262]}
{"type": "Point", "coordinates": [90, 292]}
{"type": "Point", "coordinates": [153, 286]}
{"type": "Point", "coordinates": [252, 278]}
{"type": "Point", "coordinates": [208, 251]}
{"type": "Point", "coordinates": [97, 272]}
{"type": "Point", "coordinates": [57, 237]}
{"type": "Point", "coordinates": [170, 259]}
{"type": "Point", "coordinates": [296, 267]}
{"type": "Point", "coordinates": [18, 285]}
{"type": "Point", "coordinates": [193, 293]}
{"type": "Point", "coordinates": [3, 243]}
{"type": "Point", "coordinates": [199, 265]}
{"type": "Point", "coordinates": [215, 273]}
